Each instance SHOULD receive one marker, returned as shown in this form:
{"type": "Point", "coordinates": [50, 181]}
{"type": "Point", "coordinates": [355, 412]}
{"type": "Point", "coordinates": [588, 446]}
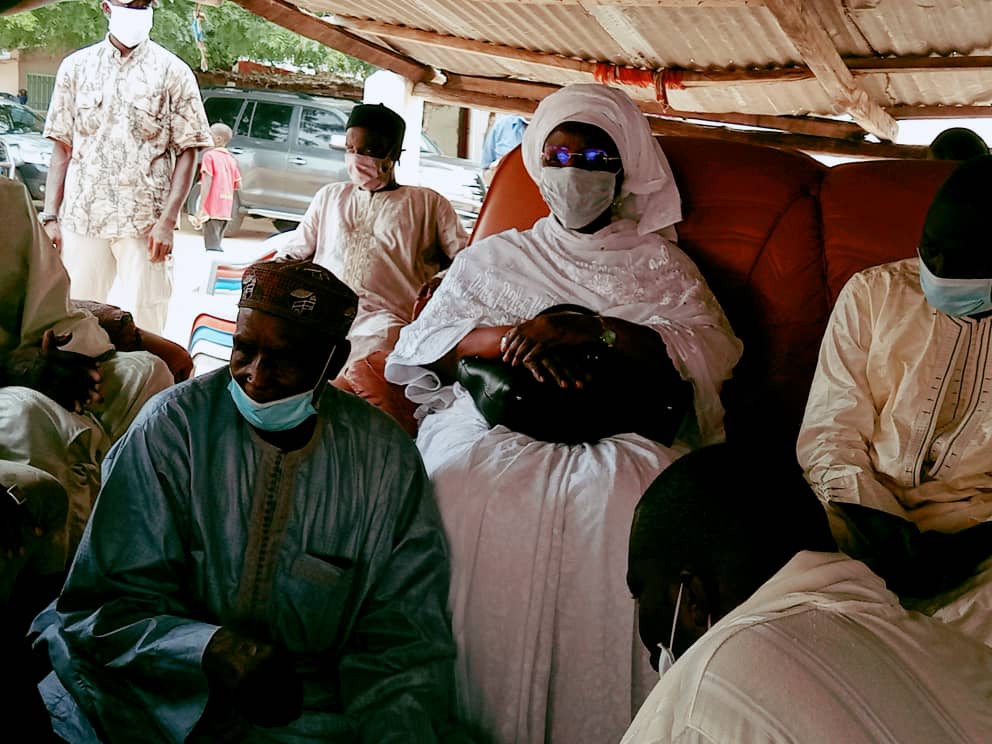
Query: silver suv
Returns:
{"type": "Point", "coordinates": [289, 145]}
{"type": "Point", "coordinates": [24, 153]}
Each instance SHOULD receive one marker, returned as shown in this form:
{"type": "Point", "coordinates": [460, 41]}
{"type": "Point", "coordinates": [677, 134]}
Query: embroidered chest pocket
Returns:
{"type": "Point", "coordinates": [89, 111]}
{"type": "Point", "coordinates": [314, 600]}
{"type": "Point", "coordinates": [148, 117]}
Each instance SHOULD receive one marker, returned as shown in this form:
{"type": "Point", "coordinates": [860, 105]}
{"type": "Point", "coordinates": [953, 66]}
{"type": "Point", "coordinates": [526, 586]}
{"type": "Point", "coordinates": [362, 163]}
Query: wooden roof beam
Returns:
{"type": "Point", "coordinates": [940, 112]}
{"type": "Point", "coordinates": [690, 78]}
{"type": "Point", "coordinates": [646, 3]}
{"type": "Point", "coordinates": [789, 141]}
{"type": "Point", "coordinates": [328, 34]}
{"type": "Point", "coordinates": [459, 44]}
{"type": "Point", "coordinates": [520, 89]}
{"type": "Point", "coordinates": [818, 51]}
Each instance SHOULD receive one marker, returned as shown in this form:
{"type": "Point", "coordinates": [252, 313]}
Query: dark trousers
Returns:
{"type": "Point", "coordinates": [213, 231]}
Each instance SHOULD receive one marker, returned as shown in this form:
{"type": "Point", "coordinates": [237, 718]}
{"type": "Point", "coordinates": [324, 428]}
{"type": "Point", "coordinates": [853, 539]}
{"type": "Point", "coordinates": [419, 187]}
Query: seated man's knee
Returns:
{"type": "Point", "coordinates": [34, 530]}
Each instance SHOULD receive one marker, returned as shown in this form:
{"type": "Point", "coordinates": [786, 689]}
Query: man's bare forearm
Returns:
{"type": "Point", "coordinates": [206, 182]}
{"type": "Point", "coordinates": [55, 183]}
{"type": "Point", "coordinates": [482, 342]}
{"type": "Point", "coordinates": [182, 179]}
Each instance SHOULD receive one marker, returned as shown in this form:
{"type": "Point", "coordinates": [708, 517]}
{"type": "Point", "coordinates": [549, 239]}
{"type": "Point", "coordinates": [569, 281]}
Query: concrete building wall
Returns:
{"type": "Point", "coordinates": [441, 125]}
{"type": "Point", "coordinates": [31, 69]}
{"type": "Point", "coordinates": [10, 72]}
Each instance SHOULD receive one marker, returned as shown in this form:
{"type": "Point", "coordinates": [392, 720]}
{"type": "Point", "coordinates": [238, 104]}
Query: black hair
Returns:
{"type": "Point", "coordinates": [957, 228]}
{"type": "Point", "coordinates": [958, 143]}
{"type": "Point", "coordinates": [378, 118]}
{"type": "Point", "coordinates": [729, 513]}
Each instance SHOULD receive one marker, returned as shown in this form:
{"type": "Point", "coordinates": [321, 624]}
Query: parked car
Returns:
{"type": "Point", "coordinates": [289, 145]}
{"type": "Point", "coordinates": [24, 153]}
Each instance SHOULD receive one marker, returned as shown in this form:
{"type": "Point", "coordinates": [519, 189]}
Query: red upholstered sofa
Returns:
{"type": "Point", "coordinates": [776, 234]}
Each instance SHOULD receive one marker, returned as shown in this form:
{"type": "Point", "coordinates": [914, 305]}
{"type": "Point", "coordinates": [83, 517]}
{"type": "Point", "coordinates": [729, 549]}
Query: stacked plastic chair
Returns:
{"type": "Point", "coordinates": [210, 342]}
{"type": "Point", "coordinates": [226, 277]}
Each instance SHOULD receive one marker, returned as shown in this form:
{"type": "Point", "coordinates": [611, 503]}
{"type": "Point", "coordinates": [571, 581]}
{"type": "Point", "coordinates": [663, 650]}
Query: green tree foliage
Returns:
{"type": "Point", "coordinates": [232, 33]}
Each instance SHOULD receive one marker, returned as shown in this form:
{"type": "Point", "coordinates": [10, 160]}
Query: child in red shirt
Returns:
{"type": "Point", "coordinates": [220, 178]}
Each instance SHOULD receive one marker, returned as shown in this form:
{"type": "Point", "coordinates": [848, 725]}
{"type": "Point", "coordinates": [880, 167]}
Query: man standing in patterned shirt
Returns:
{"type": "Point", "coordinates": [127, 119]}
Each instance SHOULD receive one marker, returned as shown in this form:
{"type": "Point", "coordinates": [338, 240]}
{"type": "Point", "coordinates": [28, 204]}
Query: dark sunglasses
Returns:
{"type": "Point", "coordinates": [588, 156]}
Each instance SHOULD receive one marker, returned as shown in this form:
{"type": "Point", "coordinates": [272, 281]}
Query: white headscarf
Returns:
{"type": "Point", "coordinates": [649, 195]}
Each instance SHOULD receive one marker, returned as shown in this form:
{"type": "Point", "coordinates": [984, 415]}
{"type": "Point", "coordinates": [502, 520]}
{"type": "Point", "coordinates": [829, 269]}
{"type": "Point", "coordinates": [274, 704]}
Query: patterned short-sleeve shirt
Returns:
{"type": "Point", "coordinates": [126, 119]}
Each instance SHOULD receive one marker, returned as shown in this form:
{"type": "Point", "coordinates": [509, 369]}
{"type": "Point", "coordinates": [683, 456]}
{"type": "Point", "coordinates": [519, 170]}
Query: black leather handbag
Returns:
{"type": "Point", "coordinates": [616, 399]}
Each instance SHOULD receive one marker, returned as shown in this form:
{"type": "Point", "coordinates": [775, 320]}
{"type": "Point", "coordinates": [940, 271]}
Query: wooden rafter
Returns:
{"type": "Point", "coordinates": [457, 43]}
{"type": "Point", "coordinates": [309, 25]}
{"type": "Point", "coordinates": [647, 3]}
{"type": "Point", "coordinates": [940, 112]}
{"type": "Point", "coordinates": [520, 89]}
{"type": "Point", "coordinates": [690, 78]}
{"type": "Point", "coordinates": [818, 51]}
{"type": "Point", "coordinates": [525, 106]}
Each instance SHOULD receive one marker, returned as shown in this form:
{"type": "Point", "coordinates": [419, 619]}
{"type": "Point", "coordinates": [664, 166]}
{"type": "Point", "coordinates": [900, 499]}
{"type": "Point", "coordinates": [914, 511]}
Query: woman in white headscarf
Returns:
{"type": "Point", "coordinates": [538, 531]}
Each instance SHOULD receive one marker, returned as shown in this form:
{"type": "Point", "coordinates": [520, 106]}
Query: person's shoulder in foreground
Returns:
{"type": "Point", "coordinates": [775, 639]}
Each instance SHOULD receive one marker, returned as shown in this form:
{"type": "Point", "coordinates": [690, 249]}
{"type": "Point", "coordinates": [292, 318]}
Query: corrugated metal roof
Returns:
{"type": "Point", "coordinates": [701, 35]}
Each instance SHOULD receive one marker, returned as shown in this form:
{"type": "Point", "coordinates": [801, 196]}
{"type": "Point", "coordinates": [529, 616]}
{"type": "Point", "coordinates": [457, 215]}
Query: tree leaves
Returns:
{"type": "Point", "coordinates": [232, 33]}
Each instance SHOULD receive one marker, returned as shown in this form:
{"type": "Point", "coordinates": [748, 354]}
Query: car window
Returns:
{"type": "Point", "coordinates": [270, 122]}
{"type": "Point", "coordinates": [16, 119]}
{"type": "Point", "coordinates": [245, 122]}
{"type": "Point", "coordinates": [223, 110]}
{"type": "Point", "coordinates": [317, 126]}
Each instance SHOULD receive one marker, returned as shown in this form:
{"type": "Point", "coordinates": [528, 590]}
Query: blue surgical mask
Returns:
{"type": "Point", "coordinates": [956, 297]}
{"type": "Point", "coordinates": [277, 415]}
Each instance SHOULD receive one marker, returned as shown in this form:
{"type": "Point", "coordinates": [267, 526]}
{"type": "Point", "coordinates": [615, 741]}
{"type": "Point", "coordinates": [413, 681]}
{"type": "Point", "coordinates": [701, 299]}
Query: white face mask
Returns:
{"type": "Point", "coordinates": [577, 196]}
{"type": "Point", "coordinates": [367, 172]}
{"type": "Point", "coordinates": [130, 26]}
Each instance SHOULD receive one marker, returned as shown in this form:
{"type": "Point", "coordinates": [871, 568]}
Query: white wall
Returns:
{"type": "Point", "coordinates": [396, 92]}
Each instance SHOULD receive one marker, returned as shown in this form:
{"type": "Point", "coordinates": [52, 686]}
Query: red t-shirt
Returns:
{"type": "Point", "coordinates": [221, 166]}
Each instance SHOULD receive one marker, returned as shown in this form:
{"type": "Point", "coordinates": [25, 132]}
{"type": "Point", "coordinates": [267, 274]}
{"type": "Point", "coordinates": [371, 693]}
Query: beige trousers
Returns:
{"type": "Point", "coordinates": [94, 263]}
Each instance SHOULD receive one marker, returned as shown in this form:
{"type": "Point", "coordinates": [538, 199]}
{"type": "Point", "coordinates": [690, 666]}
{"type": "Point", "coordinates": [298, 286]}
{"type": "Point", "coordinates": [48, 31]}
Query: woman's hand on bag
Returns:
{"type": "Point", "coordinates": [533, 339]}
{"type": "Point", "coordinates": [564, 371]}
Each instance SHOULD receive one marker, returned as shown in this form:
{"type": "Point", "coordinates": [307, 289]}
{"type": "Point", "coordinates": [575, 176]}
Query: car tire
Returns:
{"type": "Point", "coordinates": [233, 226]}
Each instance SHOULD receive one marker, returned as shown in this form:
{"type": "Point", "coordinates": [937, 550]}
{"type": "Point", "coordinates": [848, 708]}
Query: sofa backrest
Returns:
{"type": "Point", "coordinates": [751, 224]}
{"type": "Point", "coordinates": [776, 234]}
{"type": "Point", "coordinates": [873, 213]}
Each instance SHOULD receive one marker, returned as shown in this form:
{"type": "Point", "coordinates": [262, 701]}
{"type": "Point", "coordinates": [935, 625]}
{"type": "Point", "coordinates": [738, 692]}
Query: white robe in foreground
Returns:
{"type": "Point", "coordinates": [385, 245]}
{"type": "Point", "coordinates": [538, 532]}
{"type": "Point", "coordinates": [822, 653]}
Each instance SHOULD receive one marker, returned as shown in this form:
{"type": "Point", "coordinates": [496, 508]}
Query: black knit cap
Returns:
{"type": "Point", "coordinates": [302, 292]}
{"type": "Point", "coordinates": [378, 118]}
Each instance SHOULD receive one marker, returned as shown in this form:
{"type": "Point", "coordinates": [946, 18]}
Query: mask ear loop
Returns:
{"type": "Point", "coordinates": [675, 618]}
{"type": "Point", "coordinates": [318, 391]}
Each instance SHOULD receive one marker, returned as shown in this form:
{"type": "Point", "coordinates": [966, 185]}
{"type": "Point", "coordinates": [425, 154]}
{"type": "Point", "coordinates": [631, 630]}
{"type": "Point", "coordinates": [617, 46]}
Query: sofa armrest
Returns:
{"type": "Point", "coordinates": [366, 378]}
